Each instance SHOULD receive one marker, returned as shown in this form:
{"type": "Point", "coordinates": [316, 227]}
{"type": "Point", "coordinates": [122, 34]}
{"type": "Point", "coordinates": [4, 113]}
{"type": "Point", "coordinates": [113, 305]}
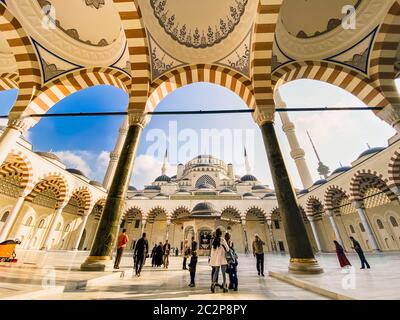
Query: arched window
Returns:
{"type": "Point", "coordinates": [58, 227]}
{"type": "Point", "coordinates": [352, 229]}
{"type": "Point", "coordinates": [362, 227]}
{"type": "Point", "coordinates": [393, 221]}
{"type": "Point", "coordinates": [206, 179]}
{"type": "Point", "coordinates": [5, 216]}
{"type": "Point", "coordinates": [28, 222]}
{"type": "Point", "coordinates": [67, 228]}
{"type": "Point", "coordinates": [380, 224]}
{"type": "Point", "coordinates": [41, 224]}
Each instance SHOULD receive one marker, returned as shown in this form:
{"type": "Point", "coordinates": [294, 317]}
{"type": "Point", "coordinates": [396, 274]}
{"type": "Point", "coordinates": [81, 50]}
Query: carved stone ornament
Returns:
{"type": "Point", "coordinates": [264, 115]}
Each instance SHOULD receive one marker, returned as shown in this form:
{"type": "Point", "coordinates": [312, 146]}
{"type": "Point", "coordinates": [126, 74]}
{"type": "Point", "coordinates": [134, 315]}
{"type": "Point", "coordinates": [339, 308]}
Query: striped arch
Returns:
{"type": "Point", "coordinates": [261, 57]}
{"type": "Point", "coordinates": [8, 81]}
{"type": "Point", "coordinates": [131, 18]}
{"type": "Point", "coordinates": [155, 212]}
{"type": "Point", "coordinates": [68, 84]}
{"type": "Point", "coordinates": [17, 162]}
{"type": "Point", "coordinates": [180, 211]}
{"type": "Point", "coordinates": [383, 56]}
{"type": "Point", "coordinates": [394, 171]}
{"type": "Point", "coordinates": [303, 214]}
{"type": "Point", "coordinates": [180, 77]}
{"type": "Point", "coordinates": [339, 76]}
{"type": "Point", "coordinates": [27, 62]}
{"type": "Point", "coordinates": [53, 181]}
{"type": "Point", "coordinates": [85, 197]}
{"type": "Point", "coordinates": [314, 207]}
{"type": "Point", "coordinates": [275, 214]}
{"type": "Point", "coordinates": [365, 179]}
{"type": "Point", "coordinates": [257, 212]}
{"type": "Point", "coordinates": [231, 211]}
{"type": "Point", "coordinates": [98, 208]}
{"type": "Point", "coordinates": [132, 213]}
{"type": "Point", "coordinates": [332, 195]}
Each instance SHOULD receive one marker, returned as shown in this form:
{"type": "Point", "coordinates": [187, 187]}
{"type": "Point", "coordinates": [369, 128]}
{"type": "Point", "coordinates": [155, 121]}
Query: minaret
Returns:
{"type": "Point", "coordinates": [323, 170]}
{"type": "Point", "coordinates": [164, 167]}
{"type": "Point", "coordinates": [114, 156]}
{"type": "Point", "coordinates": [247, 163]}
{"type": "Point", "coordinates": [296, 152]}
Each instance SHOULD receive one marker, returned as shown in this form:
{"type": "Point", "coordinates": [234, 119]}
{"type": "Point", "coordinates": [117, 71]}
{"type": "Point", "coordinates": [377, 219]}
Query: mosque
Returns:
{"type": "Point", "coordinates": [51, 49]}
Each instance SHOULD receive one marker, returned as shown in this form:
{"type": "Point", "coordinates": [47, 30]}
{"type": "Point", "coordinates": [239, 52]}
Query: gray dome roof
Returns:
{"type": "Point", "coordinates": [204, 209]}
{"type": "Point", "coordinates": [205, 186]}
{"type": "Point", "coordinates": [140, 195]}
{"type": "Point", "coordinates": [227, 190]}
{"type": "Point", "coordinates": [319, 182]}
{"type": "Point", "coordinates": [76, 172]}
{"type": "Point", "coordinates": [96, 184]}
{"type": "Point", "coordinates": [132, 188]}
{"type": "Point", "coordinates": [152, 188]}
{"type": "Point", "coordinates": [163, 178]}
{"type": "Point", "coordinates": [248, 194]}
{"type": "Point", "coordinates": [162, 195]}
{"type": "Point", "coordinates": [370, 152]}
{"type": "Point", "coordinates": [248, 177]}
{"type": "Point", "coordinates": [304, 191]}
{"type": "Point", "coordinates": [268, 195]}
{"type": "Point", "coordinates": [259, 187]}
{"type": "Point", "coordinates": [48, 155]}
{"type": "Point", "coordinates": [340, 170]}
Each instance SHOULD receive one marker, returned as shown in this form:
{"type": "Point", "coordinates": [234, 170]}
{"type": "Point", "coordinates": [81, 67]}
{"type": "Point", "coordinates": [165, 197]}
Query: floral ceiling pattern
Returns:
{"type": "Point", "coordinates": [198, 37]}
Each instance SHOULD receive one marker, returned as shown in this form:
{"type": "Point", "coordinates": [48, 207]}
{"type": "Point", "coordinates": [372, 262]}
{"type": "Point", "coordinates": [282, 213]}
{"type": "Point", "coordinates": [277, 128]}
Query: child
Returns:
{"type": "Point", "coordinates": [192, 268]}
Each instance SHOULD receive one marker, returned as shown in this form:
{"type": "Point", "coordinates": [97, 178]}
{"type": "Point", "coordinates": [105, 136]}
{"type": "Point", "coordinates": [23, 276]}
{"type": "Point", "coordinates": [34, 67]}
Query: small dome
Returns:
{"type": "Point", "coordinates": [340, 170]}
{"type": "Point", "coordinates": [173, 177]}
{"type": "Point", "coordinates": [370, 151]}
{"type": "Point", "coordinates": [96, 184]}
{"type": "Point", "coordinates": [183, 190]}
{"type": "Point", "coordinates": [152, 188]}
{"type": "Point", "coordinates": [49, 155]}
{"type": "Point", "coordinates": [304, 191]}
{"type": "Point", "coordinates": [205, 186]}
{"type": "Point", "coordinates": [161, 195]}
{"type": "Point", "coordinates": [226, 190]}
{"type": "Point", "coordinates": [163, 178]}
{"type": "Point", "coordinates": [76, 172]}
{"type": "Point", "coordinates": [319, 182]}
{"type": "Point", "coordinates": [204, 209]}
{"type": "Point", "coordinates": [140, 195]}
{"type": "Point", "coordinates": [248, 177]}
{"type": "Point", "coordinates": [269, 195]}
{"type": "Point", "coordinates": [248, 194]}
{"type": "Point", "coordinates": [132, 188]}
{"type": "Point", "coordinates": [259, 187]}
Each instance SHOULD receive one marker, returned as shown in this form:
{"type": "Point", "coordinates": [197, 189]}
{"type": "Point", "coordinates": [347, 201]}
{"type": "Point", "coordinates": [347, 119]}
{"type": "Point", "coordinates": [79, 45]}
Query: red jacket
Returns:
{"type": "Point", "coordinates": [122, 241]}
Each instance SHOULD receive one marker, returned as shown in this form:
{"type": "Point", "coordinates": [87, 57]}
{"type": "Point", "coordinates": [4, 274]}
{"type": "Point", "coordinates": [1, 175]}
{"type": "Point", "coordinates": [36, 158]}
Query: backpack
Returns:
{"type": "Point", "coordinates": [231, 256]}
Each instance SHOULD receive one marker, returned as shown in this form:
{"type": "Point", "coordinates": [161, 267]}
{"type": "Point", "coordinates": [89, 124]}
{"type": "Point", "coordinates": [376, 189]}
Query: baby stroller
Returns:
{"type": "Point", "coordinates": [7, 251]}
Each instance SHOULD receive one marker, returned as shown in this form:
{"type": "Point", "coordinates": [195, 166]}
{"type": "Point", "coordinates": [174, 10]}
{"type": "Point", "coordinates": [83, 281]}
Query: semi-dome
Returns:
{"type": "Point", "coordinates": [204, 209]}
{"type": "Point", "coordinates": [163, 178]}
{"type": "Point", "coordinates": [248, 177]}
{"type": "Point", "coordinates": [76, 172]}
{"type": "Point", "coordinates": [259, 187]}
{"type": "Point", "coordinates": [152, 188]}
{"type": "Point", "coordinates": [183, 190]}
{"type": "Point", "coordinates": [161, 195]}
{"type": "Point", "coordinates": [132, 188]}
{"type": "Point", "coordinates": [48, 155]}
{"type": "Point", "coordinates": [319, 182]}
{"type": "Point", "coordinates": [248, 194]}
{"type": "Point", "coordinates": [205, 186]}
{"type": "Point", "coordinates": [340, 170]}
{"type": "Point", "coordinates": [370, 151]}
{"type": "Point", "coordinates": [269, 195]}
{"type": "Point", "coordinates": [96, 184]}
{"type": "Point", "coordinates": [227, 190]}
{"type": "Point", "coordinates": [140, 195]}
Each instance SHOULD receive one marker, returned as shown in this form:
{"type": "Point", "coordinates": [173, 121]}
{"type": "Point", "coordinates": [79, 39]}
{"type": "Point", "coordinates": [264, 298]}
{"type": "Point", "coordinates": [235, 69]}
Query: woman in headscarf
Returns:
{"type": "Point", "coordinates": [218, 260]}
{"type": "Point", "coordinates": [159, 255]}
{"type": "Point", "coordinates": [344, 262]}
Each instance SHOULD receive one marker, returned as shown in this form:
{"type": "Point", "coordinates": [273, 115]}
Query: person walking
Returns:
{"type": "Point", "coordinates": [166, 250]}
{"type": "Point", "coordinates": [140, 253]}
{"type": "Point", "coordinates": [232, 260]}
{"type": "Point", "coordinates": [121, 245]}
{"type": "Point", "coordinates": [192, 269]}
{"type": "Point", "coordinates": [159, 255]}
{"type": "Point", "coordinates": [343, 261]}
{"type": "Point", "coordinates": [153, 255]}
{"type": "Point", "coordinates": [258, 252]}
{"type": "Point", "coordinates": [360, 252]}
{"type": "Point", "coordinates": [186, 251]}
{"type": "Point", "coordinates": [218, 261]}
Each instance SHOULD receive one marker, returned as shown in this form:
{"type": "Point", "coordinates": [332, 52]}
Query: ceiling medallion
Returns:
{"type": "Point", "coordinates": [196, 38]}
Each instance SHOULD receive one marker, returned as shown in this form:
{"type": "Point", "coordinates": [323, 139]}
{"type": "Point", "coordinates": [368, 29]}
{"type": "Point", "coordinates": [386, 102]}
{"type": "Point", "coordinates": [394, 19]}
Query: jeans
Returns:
{"type": "Point", "coordinates": [216, 272]}
{"type": "Point", "coordinates": [184, 263]}
{"type": "Point", "coordinates": [364, 261]}
{"type": "Point", "coordinates": [192, 276]}
{"type": "Point", "coordinates": [233, 280]}
{"type": "Point", "coordinates": [139, 263]}
{"type": "Point", "coordinates": [120, 251]}
{"type": "Point", "coordinates": [260, 263]}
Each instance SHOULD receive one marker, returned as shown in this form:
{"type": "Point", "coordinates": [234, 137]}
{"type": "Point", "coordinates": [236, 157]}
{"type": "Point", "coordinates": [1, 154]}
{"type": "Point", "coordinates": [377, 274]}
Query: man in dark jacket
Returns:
{"type": "Point", "coordinates": [360, 252]}
{"type": "Point", "coordinates": [140, 253]}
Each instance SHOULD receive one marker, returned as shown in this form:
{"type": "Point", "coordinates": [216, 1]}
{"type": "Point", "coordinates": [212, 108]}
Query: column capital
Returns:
{"type": "Point", "coordinates": [22, 125]}
{"type": "Point", "coordinates": [391, 115]}
{"type": "Point", "coordinates": [358, 204]}
{"type": "Point", "coordinates": [114, 156]}
{"type": "Point", "coordinates": [138, 117]}
{"type": "Point", "coordinates": [263, 115]}
{"type": "Point", "coordinates": [330, 212]}
{"type": "Point", "coordinates": [297, 154]}
{"type": "Point", "coordinates": [288, 127]}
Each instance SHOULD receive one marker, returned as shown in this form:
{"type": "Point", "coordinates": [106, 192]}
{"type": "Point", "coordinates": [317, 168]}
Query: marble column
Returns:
{"type": "Point", "coordinates": [52, 227]}
{"type": "Point", "coordinates": [11, 218]}
{"type": "Point", "coordinates": [302, 259]}
{"type": "Point", "coordinates": [167, 231]}
{"type": "Point", "coordinates": [368, 228]}
{"type": "Point", "coordinates": [246, 240]}
{"type": "Point", "coordinates": [144, 222]}
{"type": "Point", "coordinates": [335, 227]}
{"type": "Point", "coordinates": [11, 134]}
{"type": "Point", "coordinates": [100, 258]}
{"type": "Point", "coordinates": [271, 236]}
{"type": "Point", "coordinates": [315, 232]}
{"type": "Point", "coordinates": [80, 231]}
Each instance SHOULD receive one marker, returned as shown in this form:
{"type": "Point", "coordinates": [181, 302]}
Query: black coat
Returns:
{"type": "Point", "coordinates": [142, 247]}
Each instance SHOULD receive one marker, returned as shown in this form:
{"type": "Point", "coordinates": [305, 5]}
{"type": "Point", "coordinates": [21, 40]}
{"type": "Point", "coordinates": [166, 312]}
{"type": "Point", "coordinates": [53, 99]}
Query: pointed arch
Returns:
{"type": "Point", "coordinates": [315, 207]}
{"type": "Point", "coordinates": [21, 166]}
{"type": "Point", "coordinates": [180, 212]}
{"type": "Point", "coordinates": [156, 212]}
{"type": "Point", "coordinates": [231, 213]}
{"type": "Point", "coordinates": [133, 213]}
{"type": "Point", "coordinates": [256, 212]}
{"type": "Point", "coordinates": [84, 197]}
{"type": "Point", "coordinates": [9, 81]}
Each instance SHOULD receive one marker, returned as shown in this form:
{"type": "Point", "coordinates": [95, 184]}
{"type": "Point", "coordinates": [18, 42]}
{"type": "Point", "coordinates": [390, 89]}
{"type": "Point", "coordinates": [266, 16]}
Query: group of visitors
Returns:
{"type": "Point", "coordinates": [160, 254]}
{"type": "Point", "coordinates": [343, 261]}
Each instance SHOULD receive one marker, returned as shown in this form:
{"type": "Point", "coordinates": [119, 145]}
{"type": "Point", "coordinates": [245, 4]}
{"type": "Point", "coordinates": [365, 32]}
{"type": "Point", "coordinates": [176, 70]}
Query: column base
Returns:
{"type": "Point", "coordinates": [98, 264]}
{"type": "Point", "coordinates": [305, 266]}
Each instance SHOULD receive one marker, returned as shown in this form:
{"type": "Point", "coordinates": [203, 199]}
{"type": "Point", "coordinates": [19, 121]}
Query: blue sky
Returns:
{"type": "Point", "coordinates": [84, 143]}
